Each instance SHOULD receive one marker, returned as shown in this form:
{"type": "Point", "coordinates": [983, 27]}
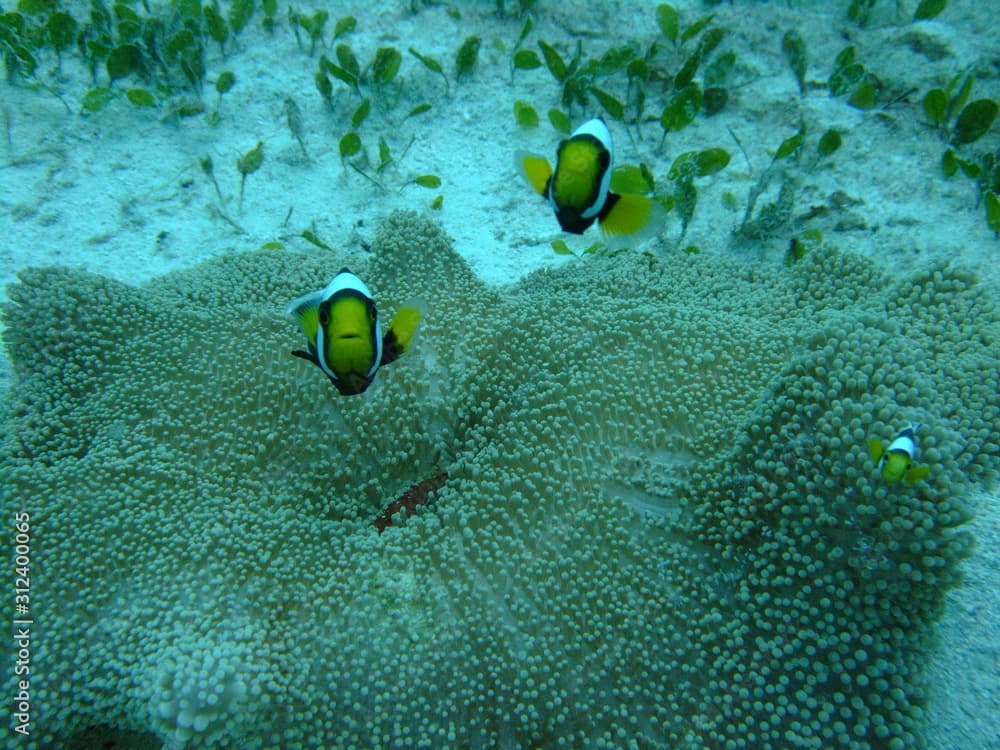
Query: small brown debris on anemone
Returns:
{"type": "Point", "coordinates": [419, 494]}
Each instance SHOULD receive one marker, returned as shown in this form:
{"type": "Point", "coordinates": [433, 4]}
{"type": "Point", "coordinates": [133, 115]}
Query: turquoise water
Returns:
{"type": "Point", "coordinates": [646, 510]}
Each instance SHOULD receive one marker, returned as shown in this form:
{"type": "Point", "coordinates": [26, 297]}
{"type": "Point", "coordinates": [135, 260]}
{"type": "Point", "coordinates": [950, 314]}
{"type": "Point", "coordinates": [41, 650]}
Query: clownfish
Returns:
{"type": "Point", "coordinates": [579, 190]}
{"type": "Point", "coordinates": [896, 461]}
{"type": "Point", "coordinates": [343, 335]}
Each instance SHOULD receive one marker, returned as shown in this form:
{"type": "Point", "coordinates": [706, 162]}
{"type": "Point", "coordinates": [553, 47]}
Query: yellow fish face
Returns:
{"type": "Point", "coordinates": [343, 335]}
{"type": "Point", "coordinates": [896, 464]}
{"type": "Point", "coordinates": [349, 336]}
{"type": "Point", "coordinates": [341, 327]}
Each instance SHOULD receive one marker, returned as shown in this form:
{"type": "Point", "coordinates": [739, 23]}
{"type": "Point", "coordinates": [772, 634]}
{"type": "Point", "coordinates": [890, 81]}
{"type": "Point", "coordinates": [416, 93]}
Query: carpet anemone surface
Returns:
{"type": "Point", "coordinates": [647, 516]}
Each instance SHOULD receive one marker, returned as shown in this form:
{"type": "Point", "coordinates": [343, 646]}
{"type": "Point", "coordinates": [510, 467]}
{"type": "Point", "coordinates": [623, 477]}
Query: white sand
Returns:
{"type": "Point", "coordinates": [121, 193]}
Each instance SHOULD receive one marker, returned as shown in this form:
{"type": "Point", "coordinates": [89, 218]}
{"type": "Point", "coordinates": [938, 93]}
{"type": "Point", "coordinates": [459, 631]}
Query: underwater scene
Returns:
{"type": "Point", "coordinates": [500, 374]}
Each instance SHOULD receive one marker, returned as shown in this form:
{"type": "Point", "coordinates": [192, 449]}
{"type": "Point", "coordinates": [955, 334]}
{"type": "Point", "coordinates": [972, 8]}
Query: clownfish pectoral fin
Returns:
{"type": "Point", "coordinates": [305, 309]}
{"type": "Point", "coordinates": [875, 449]}
{"type": "Point", "coordinates": [397, 339]}
{"type": "Point", "coordinates": [308, 356]}
{"type": "Point", "coordinates": [628, 220]}
{"type": "Point", "coordinates": [536, 170]}
{"type": "Point", "coordinates": [917, 473]}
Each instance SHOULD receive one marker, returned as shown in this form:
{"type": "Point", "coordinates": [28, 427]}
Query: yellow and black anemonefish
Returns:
{"type": "Point", "coordinates": [343, 335]}
{"type": "Point", "coordinates": [579, 190]}
{"type": "Point", "coordinates": [897, 461]}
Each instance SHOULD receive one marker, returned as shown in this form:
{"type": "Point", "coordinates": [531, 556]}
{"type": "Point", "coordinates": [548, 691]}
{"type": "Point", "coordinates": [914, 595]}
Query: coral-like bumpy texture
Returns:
{"type": "Point", "coordinates": [660, 526]}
